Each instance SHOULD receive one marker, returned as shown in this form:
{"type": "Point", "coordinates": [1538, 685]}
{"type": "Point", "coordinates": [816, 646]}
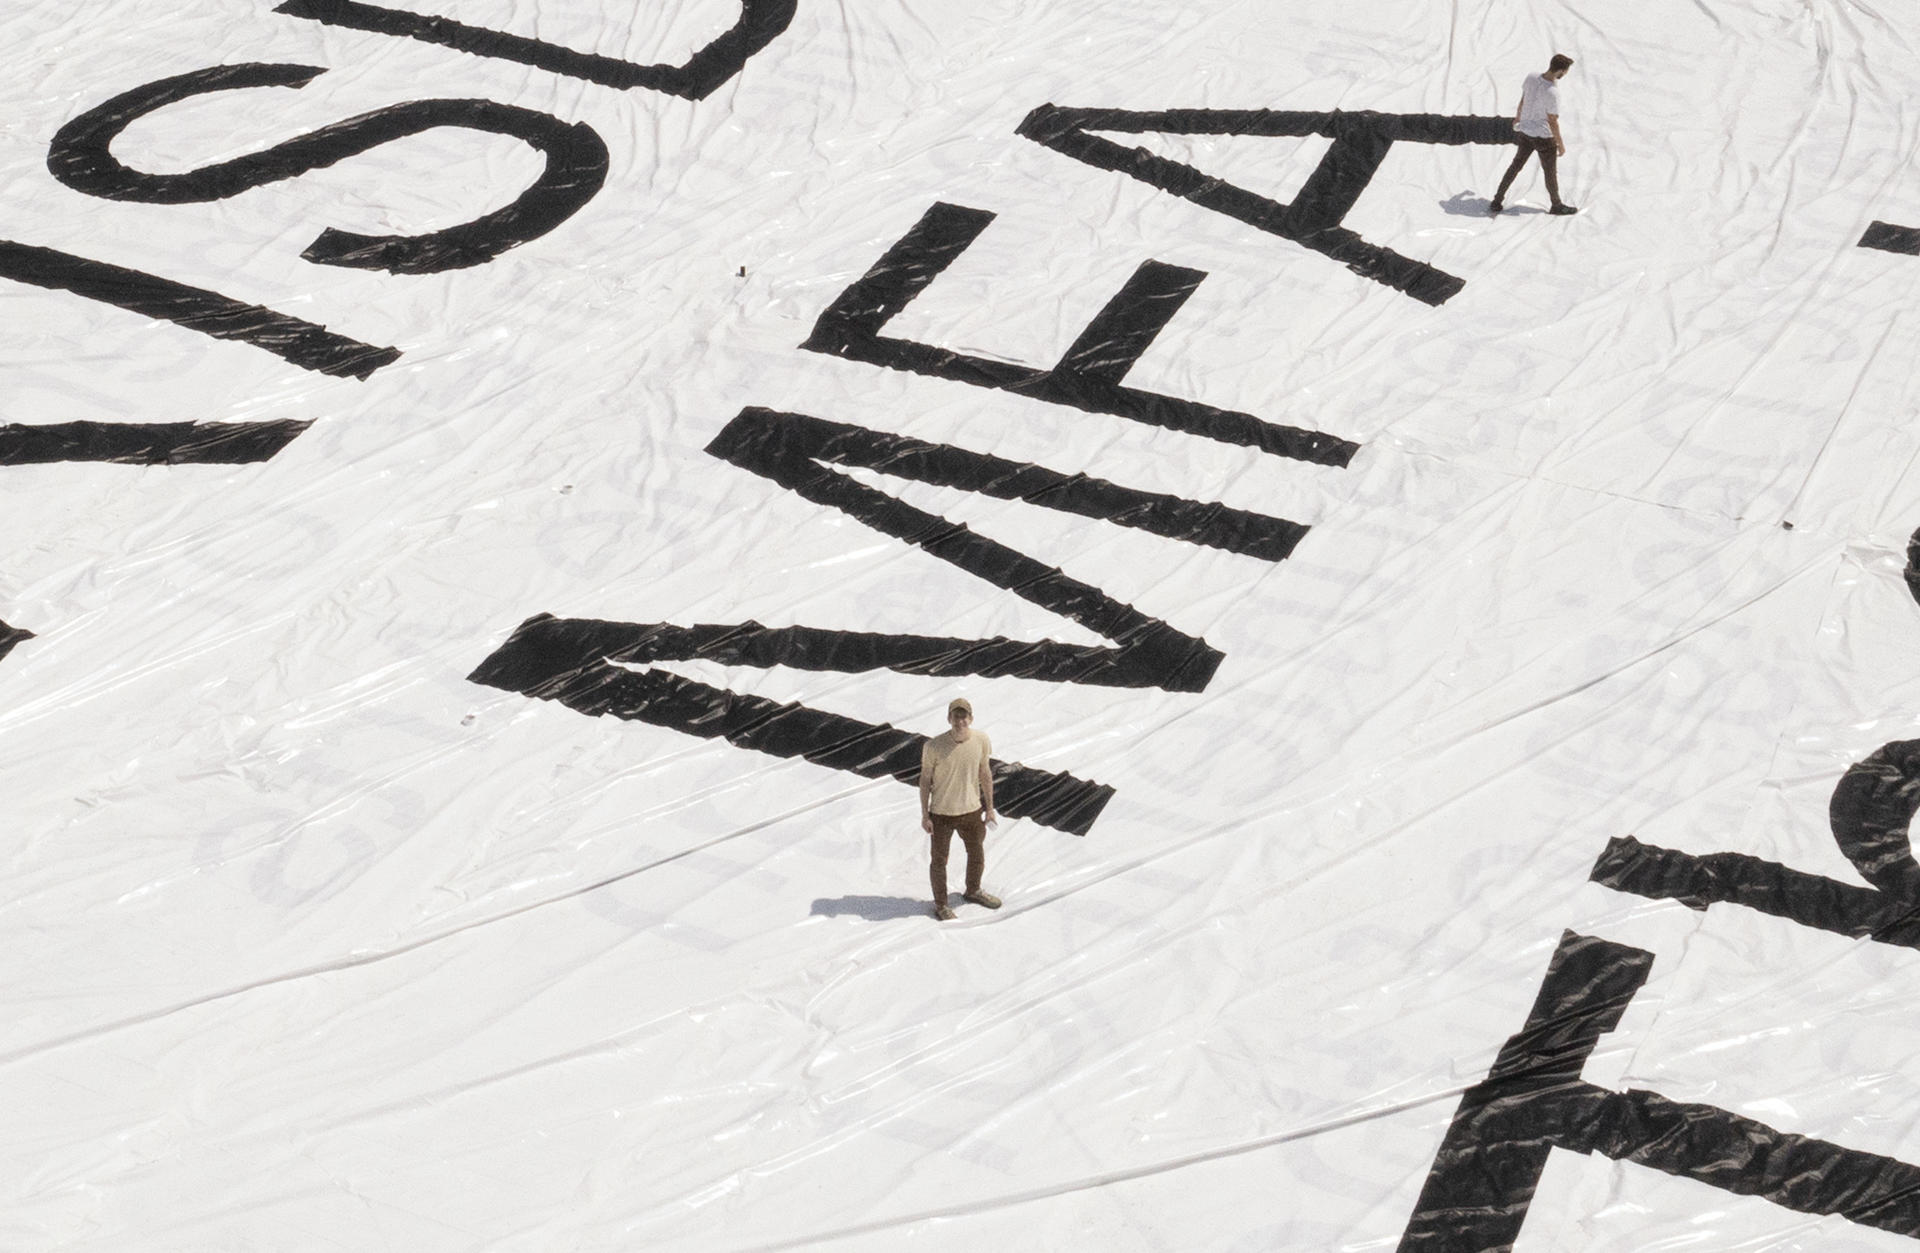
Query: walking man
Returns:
{"type": "Point", "coordinates": [956, 788]}
{"type": "Point", "coordinates": [1536, 128]}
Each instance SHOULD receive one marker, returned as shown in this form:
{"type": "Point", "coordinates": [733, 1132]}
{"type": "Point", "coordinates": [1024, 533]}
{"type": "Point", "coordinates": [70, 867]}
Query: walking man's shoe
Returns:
{"type": "Point", "coordinates": [944, 913]}
{"type": "Point", "coordinates": [983, 898]}
{"type": "Point", "coordinates": [1563, 210]}
{"type": "Point", "coordinates": [1494, 209]}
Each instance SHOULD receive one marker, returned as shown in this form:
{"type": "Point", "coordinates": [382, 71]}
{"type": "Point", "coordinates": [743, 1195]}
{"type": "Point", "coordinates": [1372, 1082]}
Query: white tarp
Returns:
{"type": "Point", "coordinates": [313, 941]}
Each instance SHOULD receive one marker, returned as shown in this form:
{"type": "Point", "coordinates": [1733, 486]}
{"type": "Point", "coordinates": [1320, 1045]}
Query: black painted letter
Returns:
{"type": "Point", "coordinates": [583, 662]}
{"type": "Point", "coordinates": [1360, 143]}
{"type": "Point", "coordinates": [1534, 1101]}
{"type": "Point", "coordinates": [147, 443]}
{"type": "Point", "coordinates": [574, 661]}
{"type": "Point", "coordinates": [793, 450]}
{"type": "Point", "coordinates": [81, 157]}
{"type": "Point", "coordinates": [761, 22]}
{"type": "Point", "coordinates": [299, 343]}
{"type": "Point", "coordinates": [1087, 378]}
{"type": "Point", "coordinates": [1872, 807]}
{"type": "Point", "coordinates": [9, 636]}
{"type": "Point", "coordinates": [1888, 237]}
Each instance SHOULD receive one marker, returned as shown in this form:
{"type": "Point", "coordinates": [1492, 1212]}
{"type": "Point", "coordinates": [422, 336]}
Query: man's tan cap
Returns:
{"type": "Point", "coordinates": [959, 702]}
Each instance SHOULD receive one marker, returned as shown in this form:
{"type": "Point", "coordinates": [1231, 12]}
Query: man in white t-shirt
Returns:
{"type": "Point", "coordinates": [1536, 128]}
{"type": "Point", "coordinates": [956, 788]}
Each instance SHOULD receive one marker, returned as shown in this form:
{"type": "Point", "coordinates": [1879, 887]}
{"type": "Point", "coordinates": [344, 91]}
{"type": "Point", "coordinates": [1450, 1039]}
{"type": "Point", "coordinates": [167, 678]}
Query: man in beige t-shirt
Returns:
{"type": "Point", "coordinates": [956, 788]}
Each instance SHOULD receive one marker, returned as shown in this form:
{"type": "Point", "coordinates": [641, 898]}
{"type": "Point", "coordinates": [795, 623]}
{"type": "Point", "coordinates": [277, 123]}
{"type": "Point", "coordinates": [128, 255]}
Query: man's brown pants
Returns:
{"type": "Point", "coordinates": [972, 829]}
{"type": "Point", "coordinates": [1530, 146]}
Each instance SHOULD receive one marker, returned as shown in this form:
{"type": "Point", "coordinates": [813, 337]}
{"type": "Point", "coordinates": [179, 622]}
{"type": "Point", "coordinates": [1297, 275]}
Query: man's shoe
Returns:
{"type": "Point", "coordinates": [1494, 209]}
{"type": "Point", "coordinates": [1563, 210]}
{"type": "Point", "coordinates": [943, 913]}
{"type": "Point", "coordinates": [983, 898]}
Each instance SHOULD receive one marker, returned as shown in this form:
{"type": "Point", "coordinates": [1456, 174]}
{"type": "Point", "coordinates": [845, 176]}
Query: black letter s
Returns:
{"type": "Point", "coordinates": [80, 157]}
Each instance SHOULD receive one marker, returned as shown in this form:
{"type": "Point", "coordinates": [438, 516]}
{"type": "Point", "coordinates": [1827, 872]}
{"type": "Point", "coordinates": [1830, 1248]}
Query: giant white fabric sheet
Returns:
{"type": "Point", "coordinates": [307, 941]}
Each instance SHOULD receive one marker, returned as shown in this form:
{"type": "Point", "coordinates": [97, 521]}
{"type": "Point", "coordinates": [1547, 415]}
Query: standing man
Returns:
{"type": "Point", "coordinates": [956, 787]}
{"type": "Point", "coordinates": [1536, 128]}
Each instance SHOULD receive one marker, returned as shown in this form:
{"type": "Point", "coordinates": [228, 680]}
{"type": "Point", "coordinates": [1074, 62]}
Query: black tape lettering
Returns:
{"type": "Point", "coordinates": [299, 343]}
{"type": "Point", "coordinates": [1088, 377]}
{"type": "Point", "coordinates": [573, 661]}
{"type": "Point", "coordinates": [1127, 326]}
{"type": "Point", "coordinates": [581, 662]}
{"type": "Point", "coordinates": [1484, 1176]}
{"type": "Point", "coordinates": [1361, 141]}
{"type": "Point", "coordinates": [147, 443]}
{"type": "Point", "coordinates": [81, 157]}
{"type": "Point", "coordinates": [1872, 807]}
{"type": "Point", "coordinates": [789, 449]}
{"type": "Point", "coordinates": [1890, 238]}
{"type": "Point", "coordinates": [1534, 1100]}
{"type": "Point", "coordinates": [1912, 572]}
{"type": "Point", "coordinates": [761, 22]}
{"type": "Point", "coordinates": [11, 635]}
